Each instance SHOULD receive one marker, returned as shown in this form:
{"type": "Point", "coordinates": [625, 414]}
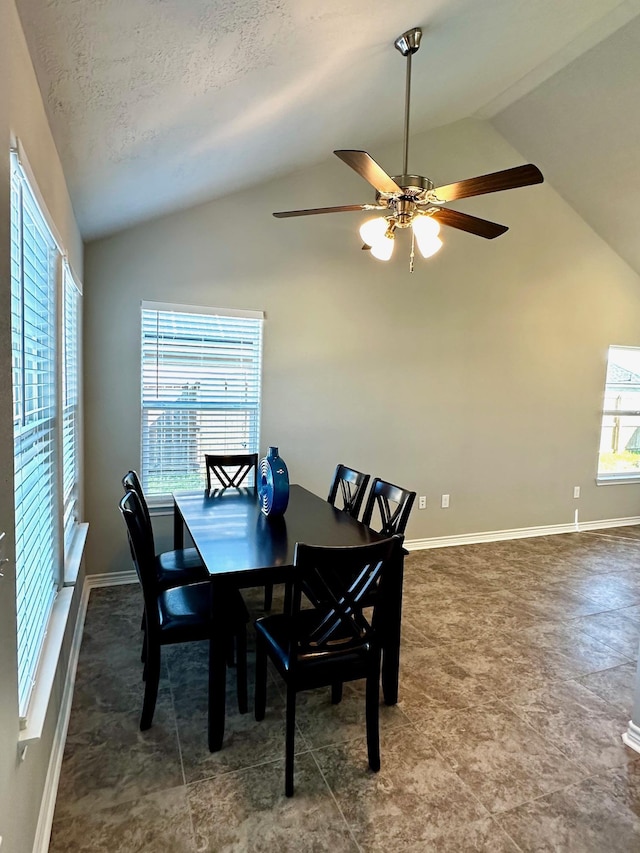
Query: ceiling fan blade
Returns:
{"type": "Point", "coordinates": [472, 224]}
{"type": "Point", "coordinates": [344, 208]}
{"type": "Point", "coordinates": [520, 176]}
{"type": "Point", "coordinates": [368, 169]}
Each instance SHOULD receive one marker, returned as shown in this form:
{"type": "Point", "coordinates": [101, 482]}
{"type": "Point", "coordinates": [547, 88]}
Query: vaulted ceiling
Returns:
{"type": "Point", "coordinates": [156, 105]}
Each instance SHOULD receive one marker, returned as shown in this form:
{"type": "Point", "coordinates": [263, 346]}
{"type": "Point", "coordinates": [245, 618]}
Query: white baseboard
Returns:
{"type": "Point", "coordinates": [110, 579]}
{"type": "Point", "coordinates": [516, 533]}
{"type": "Point", "coordinates": [632, 736]}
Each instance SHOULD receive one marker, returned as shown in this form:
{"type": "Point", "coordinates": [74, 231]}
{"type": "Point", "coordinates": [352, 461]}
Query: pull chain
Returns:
{"type": "Point", "coordinates": [413, 252]}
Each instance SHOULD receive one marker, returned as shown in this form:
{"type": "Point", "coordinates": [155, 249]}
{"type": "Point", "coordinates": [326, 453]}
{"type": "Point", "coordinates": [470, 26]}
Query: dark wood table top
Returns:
{"type": "Point", "coordinates": [235, 539]}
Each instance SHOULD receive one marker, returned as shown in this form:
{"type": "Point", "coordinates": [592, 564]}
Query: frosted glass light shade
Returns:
{"type": "Point", "coordinates": [373, 233]}
{"type": "Point", "coordinates": [426, 231]}
{"type": "Point", "coordinates": [382, 249]}
{"type": "Point", "coordinates": [373, 230]}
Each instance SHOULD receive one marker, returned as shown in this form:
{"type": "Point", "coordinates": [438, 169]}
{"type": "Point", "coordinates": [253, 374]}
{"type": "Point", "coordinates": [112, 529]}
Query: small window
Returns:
{"type": "Point", "coordinates": [201, 389]}
{"type": "Point", "coordinates": [619, 456]}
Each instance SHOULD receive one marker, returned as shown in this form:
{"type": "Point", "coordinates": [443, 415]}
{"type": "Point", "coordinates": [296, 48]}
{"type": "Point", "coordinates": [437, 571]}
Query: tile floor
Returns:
{"type": "Point", "coordinates": [517, 676]}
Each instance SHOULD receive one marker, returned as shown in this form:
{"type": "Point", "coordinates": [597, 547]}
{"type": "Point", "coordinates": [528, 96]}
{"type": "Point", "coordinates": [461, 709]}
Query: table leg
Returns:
{"type": "Point", "coordinates": [217, 670]}
{"type": "Point", "coordinates": [178, 528]}
{"type": "Point", "coordinates": [391, 648]}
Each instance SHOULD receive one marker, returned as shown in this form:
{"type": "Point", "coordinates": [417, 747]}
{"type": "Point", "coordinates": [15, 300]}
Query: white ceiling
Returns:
{"type": "Point", "coordinates": [159, 104]}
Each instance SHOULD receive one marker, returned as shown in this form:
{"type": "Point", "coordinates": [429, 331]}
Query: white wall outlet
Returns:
{"type": "Point", "coordinates": [422, 502]}
{"type": "Point", "coordinates": [576, 491]}
{"type": "Point", "coordinates": [445, 502]}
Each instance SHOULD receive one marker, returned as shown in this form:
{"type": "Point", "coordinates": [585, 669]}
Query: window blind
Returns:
{"type": "Point", "coordinates": [70, 403]}
{"type": "Point", "coordinates": [201, 389]}
{"type": "Point", "coordinates": [33, 332]}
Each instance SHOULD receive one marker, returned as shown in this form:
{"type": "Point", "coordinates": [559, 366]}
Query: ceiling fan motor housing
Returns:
{"type": "Point", "coordinates": [414, 191]}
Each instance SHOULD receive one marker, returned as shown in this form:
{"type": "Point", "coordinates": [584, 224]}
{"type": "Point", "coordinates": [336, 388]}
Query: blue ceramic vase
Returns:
{"type": "Point", "coordinates": [273, 487]}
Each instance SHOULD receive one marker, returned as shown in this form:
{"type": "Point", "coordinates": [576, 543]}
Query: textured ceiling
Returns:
{"type": "Point", "coordinates": [159, 104]}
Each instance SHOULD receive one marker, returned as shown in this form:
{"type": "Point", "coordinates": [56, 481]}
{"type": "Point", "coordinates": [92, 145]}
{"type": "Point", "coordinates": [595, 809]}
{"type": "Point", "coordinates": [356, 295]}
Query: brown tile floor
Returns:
{"type": "Point", "coordinates": [517, 676]}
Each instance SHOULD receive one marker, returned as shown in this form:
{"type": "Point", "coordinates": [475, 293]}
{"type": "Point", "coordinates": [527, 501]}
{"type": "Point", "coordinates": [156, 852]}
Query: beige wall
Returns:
{"type": "Point", "coordinates": [22, 115]}
{"type": "Point", "coordinates": [480, 375]}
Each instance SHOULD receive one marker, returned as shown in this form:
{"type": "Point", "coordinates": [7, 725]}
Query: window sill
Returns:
{"type": "Point", "coordinates": [617, 480]}
{"type": "Point", "coordinates": [74, 557]}
{"type": "Point", "coordinates": [32, 726]}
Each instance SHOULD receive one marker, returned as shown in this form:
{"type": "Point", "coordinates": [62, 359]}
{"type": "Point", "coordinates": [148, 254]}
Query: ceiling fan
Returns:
{"type": "Point", "coordinates": [412, 200]}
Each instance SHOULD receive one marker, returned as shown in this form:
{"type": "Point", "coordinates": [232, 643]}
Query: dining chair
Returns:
{"type": "Point", "coordinates": [348, 488]}
{"type": "Point", "coordinates": [176, 567]}
{"type": "Point", "coordinates": [388, 507]}
{"type": "Point", "coordinates": [177, 615]}
{"type": "Point", "coordinates": [334, 641]}
{"type": "Point", "coordinates": [230, 470]}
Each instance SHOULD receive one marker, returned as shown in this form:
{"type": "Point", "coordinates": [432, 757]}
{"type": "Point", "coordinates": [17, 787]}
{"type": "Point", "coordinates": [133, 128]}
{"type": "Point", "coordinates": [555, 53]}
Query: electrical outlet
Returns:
{"type": "Point", "coordinates": [445, 502]}
{"type": "Point", "coordinates": [576, 491]}
{"type": "Point", "coordinates": [422, 502]}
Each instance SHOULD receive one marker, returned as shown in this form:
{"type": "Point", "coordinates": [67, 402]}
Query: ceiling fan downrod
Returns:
{"type": "Point", "coordinates": [408, 44]}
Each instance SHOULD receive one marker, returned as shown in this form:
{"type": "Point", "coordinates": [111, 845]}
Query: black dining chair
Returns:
{"type": "Point", "coordinates": [334, 641]}
{"type": "Point", "coordinates": [230, 470]}
{"type": "Point", "coordinates": [174, 568]}
{"type": "Point", "coordinates": [386, 511]}
{"type": "Point", "coordinates": [177, 615]}
{"type": "Point", "coordinates": [347, 490]}
{"type": "Point", "coordinates": [388, 508]}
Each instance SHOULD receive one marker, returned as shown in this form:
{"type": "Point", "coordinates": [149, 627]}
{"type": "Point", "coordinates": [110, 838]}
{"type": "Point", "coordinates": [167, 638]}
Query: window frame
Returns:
{"type": "Point", "coordinates": [161, 500]}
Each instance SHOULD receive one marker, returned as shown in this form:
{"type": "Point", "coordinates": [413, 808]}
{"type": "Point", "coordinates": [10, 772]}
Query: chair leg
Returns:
{"type": "Point", "coordinates": [241, 669]}
{"type": "Point", "coordinates": [372, 716]}
{"type": "Point", "coordinates": [231, 661]}
{"type": "Point", "coordinates": [143, 627]}
{"type": "Point", "coordinates": [336, 693]}
{"type": "Point", "coordinates": [260, 693]}
{"type": "Point", "coordinates": [268, 596]}
{"type": "Point", "coordinates": [290, 740]}
{"type": "Point", "coordinates": [152, 670]}
{"type": "Point", "coordinates": [143, 654]}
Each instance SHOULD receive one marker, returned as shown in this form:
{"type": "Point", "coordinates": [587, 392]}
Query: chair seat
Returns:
{"type": "Point", "coordinates": [180, 567]}
{"type": "Point", "coordinates": [346, 659]}
{"type": "Point", "coordinates": [185, 612]}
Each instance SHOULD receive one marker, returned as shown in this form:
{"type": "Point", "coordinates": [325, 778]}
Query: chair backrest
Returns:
{"type": "Point", "coordinates": [350, 485]}
{"type": "Point", "coordinates": [141, 552]}
{"type": "Point", "coordinates": [340, 579]}
{"type": "Point", "coordinates": [230, 470]}
{"type": "Point", "coordinates": [388, 508]}
{"type": "Point", "coordinates": [131, 483]}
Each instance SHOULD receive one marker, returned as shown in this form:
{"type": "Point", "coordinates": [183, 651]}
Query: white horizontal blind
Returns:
{"type": "Point", "coordinates": [70, 403]}
{"type": "Point", "coordinates": [201, 386]}
{"type": "Point", "coordinates": [33, 331]}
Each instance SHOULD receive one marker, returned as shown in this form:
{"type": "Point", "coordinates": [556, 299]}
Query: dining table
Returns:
{"type": "Point", "coordinates": [241, 547]}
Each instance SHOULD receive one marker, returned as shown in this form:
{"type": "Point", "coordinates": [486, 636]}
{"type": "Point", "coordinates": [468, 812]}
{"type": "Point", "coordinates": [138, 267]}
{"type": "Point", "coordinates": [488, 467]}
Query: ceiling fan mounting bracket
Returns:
{"type": "Point", "coordinates": [409, 42]}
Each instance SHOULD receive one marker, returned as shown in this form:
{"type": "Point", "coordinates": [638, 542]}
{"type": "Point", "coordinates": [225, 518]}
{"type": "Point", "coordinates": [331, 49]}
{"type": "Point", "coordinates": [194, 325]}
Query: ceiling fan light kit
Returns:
{"type": "Point", "coordinates": [412, 201]}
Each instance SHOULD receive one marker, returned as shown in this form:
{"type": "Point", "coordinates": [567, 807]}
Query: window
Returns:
{"type": "Point", "coordinates": [201, 378]}
{"type": "Point", "coordinates": [619, 457]}
{"type": "Point", "coordinates": [43, 337]}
